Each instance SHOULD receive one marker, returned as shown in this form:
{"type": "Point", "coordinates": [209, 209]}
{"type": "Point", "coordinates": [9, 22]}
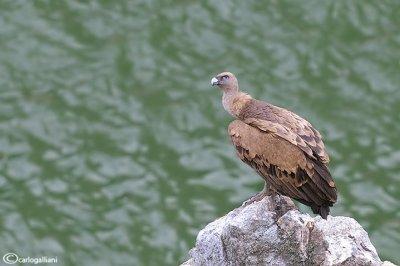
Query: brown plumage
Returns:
{"type": "Point", "coordinates": [281, 146]}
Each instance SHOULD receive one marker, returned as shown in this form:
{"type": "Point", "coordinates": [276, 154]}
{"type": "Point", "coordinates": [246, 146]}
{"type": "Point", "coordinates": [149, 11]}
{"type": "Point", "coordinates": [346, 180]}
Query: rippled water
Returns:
{"type": "Point", "coordinates": [113, 146]}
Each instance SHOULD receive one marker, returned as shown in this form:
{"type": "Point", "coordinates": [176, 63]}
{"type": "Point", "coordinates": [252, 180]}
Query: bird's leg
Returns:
{"type": "Point", "coordinates": [267, 191]}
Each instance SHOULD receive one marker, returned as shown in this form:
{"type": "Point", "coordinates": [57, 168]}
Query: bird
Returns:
{"type": "Point", "coordinates": [282, 147]}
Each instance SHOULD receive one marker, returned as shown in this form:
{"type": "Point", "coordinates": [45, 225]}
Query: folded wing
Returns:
{"type": "Point", "coordinates": [286, 161]}
{"type": "Point", "coordinates": [287, 125]}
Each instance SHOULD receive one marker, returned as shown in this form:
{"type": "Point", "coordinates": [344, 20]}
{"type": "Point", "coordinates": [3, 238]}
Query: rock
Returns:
{"type": "Point", "coordinates": [273, 232]}
{"type": "Point", "coordinates": [388, 263]}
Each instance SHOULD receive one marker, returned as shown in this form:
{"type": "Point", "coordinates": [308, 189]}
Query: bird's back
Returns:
{"type": "Point", "coordinates": [304, 132]}
{"type": "Point", "coordinates": [287, 151]}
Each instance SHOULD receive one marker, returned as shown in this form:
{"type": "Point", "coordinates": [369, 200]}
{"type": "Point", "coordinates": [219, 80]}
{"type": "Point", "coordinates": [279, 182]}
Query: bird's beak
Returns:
{"type": "Point", "coordinates": [214, 81]}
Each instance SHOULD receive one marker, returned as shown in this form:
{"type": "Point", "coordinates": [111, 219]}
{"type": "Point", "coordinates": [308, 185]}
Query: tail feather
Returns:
{"type": "Point", "coordinates": [321, 210]}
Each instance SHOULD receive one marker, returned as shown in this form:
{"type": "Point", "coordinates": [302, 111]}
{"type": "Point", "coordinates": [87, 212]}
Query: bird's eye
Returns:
{"type": "Point", "coordinates": [225, 77]}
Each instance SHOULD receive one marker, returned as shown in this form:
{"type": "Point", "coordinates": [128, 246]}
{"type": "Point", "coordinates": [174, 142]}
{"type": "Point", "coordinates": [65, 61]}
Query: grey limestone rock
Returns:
{"type": "Point", "coordinates": [273, 232]}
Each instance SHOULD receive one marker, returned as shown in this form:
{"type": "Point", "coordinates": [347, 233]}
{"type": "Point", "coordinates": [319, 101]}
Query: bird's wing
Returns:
{"type": "Point", "coordinates": [287, 125]}
{"type": "Point", "coordinates": [283, 163]}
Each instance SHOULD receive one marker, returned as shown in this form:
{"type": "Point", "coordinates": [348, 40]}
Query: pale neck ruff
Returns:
{"type": "Point", "coordinates": [227, 100]}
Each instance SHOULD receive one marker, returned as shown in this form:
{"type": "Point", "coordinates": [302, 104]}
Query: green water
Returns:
{"type": "Point", "coordinates": [113, 145]}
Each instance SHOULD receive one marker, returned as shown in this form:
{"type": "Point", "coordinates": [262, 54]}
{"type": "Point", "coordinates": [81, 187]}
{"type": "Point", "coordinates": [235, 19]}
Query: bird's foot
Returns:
{"type": "Point", "coordinates": [267, 191]}
{"type": "Point", "coordinates": [257, 197]}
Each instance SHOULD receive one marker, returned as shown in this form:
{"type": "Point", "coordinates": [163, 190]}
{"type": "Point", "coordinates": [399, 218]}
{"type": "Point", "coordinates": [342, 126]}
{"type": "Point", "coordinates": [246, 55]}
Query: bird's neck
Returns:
{"type": "Point", "coordinates": [234, 101]}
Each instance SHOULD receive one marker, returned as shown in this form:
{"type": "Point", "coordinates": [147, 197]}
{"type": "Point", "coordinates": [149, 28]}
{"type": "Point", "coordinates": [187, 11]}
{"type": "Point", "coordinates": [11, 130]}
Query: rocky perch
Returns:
{"type": "Point", "coordinates": [273, 232]}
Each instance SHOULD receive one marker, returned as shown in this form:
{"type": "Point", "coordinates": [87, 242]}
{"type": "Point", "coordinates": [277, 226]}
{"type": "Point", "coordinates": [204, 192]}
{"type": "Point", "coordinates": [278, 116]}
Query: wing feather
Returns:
{"type": "Point", "coordinates": [287, 125]}
{"type": "Point", "coordinates": [284, 165]}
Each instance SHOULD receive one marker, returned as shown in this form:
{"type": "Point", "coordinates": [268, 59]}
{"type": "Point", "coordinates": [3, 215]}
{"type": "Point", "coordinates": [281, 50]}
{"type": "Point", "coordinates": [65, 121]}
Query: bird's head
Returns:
{"type": "Point", "coordinates": [225, 81]}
